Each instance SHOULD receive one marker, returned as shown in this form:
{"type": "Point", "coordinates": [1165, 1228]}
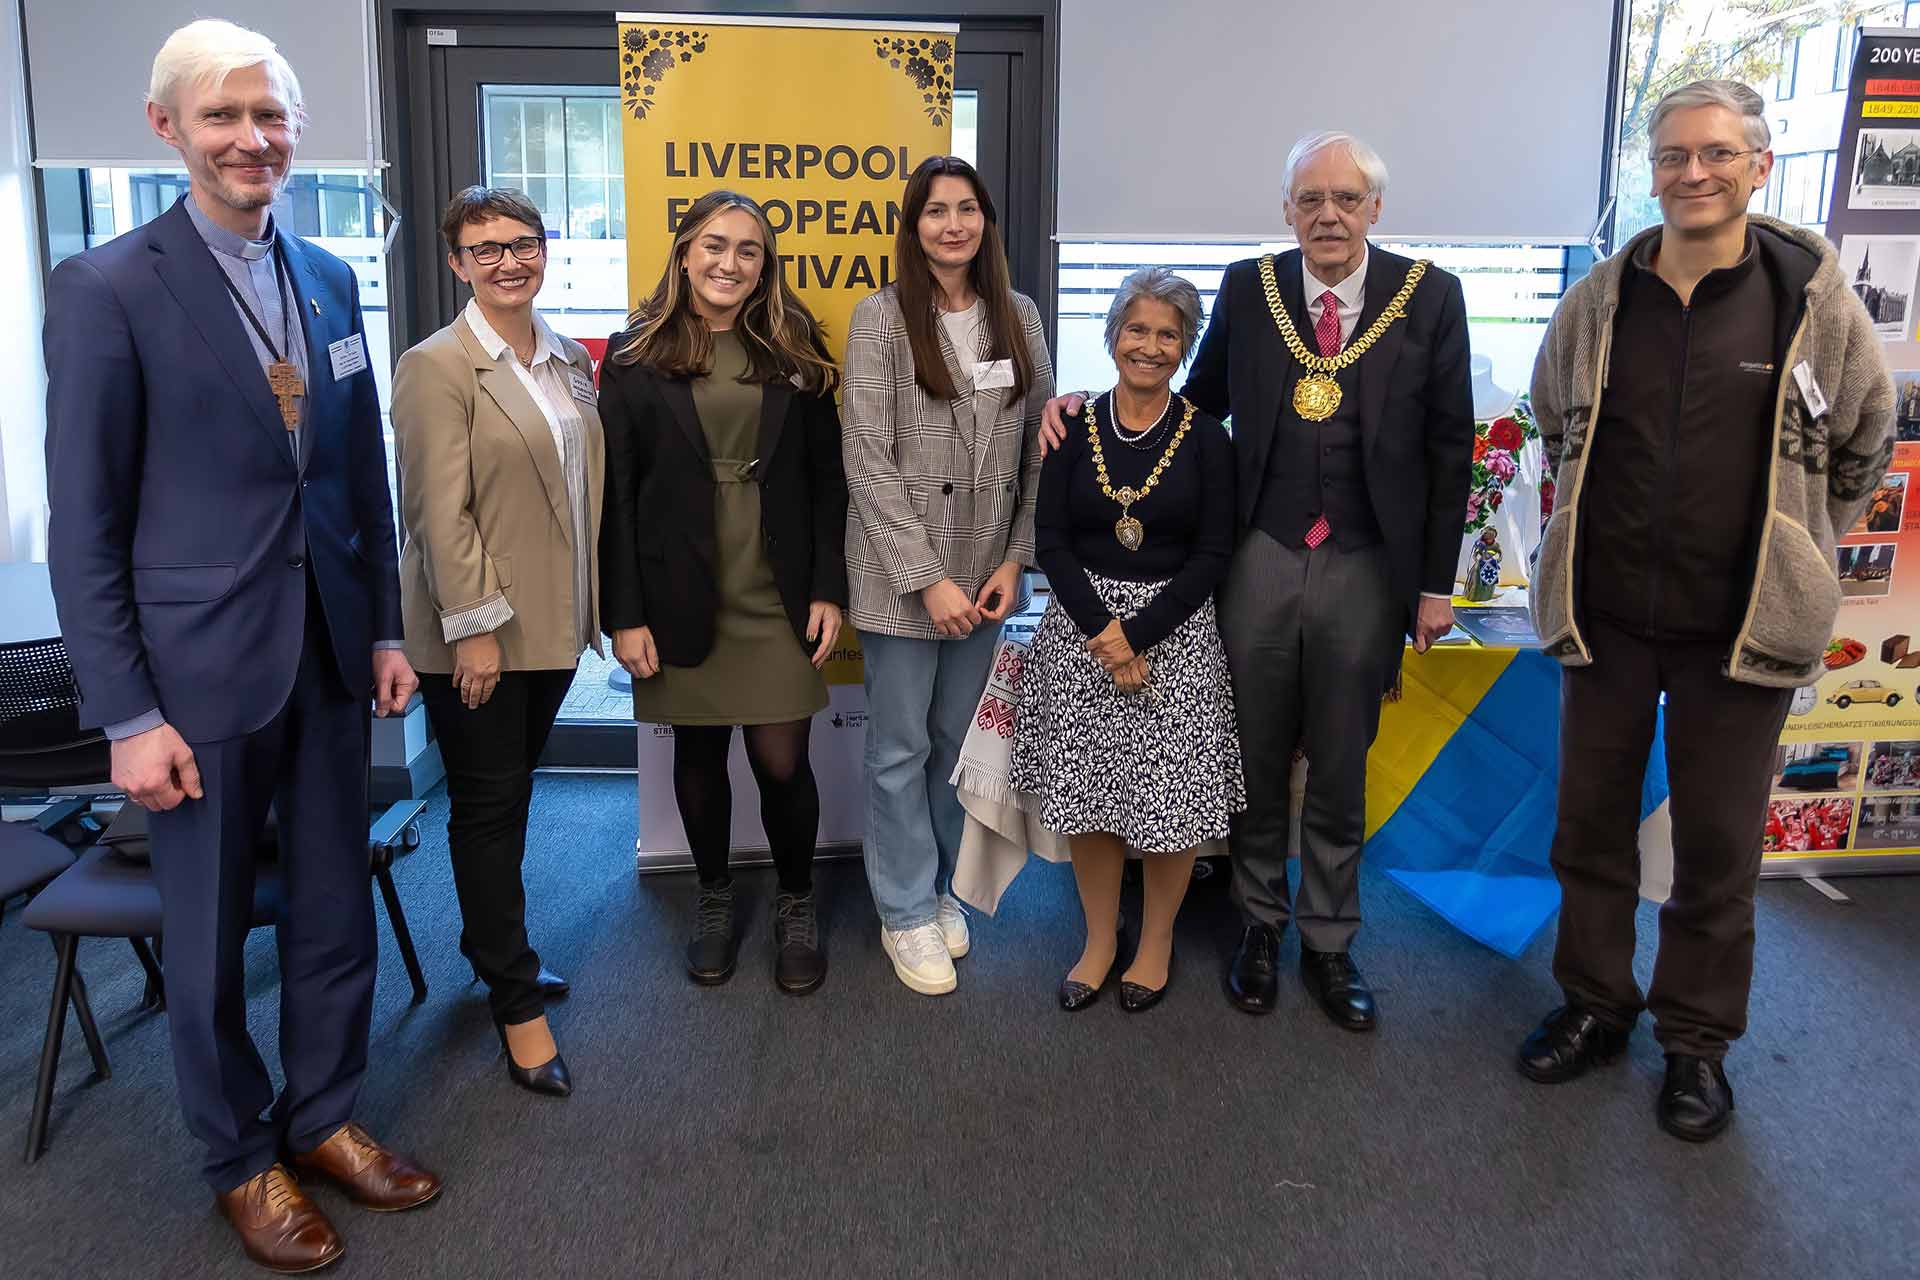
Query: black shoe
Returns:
{"type": "Point", "coordinates": [1253, 981]}
{"type": "Point", "coordinates": [798, 963]}
{"type": "Point", "coordinates": [550, 1077]}
{"type": "Point", "coordinates": [1569, 1041]}
{"type": "Point", "coordinates": [1135, 998]}
{"type": "Point", "coordinates": [552, 985]}
{"type": "Point", "coordinates": [714, 948]}
{"type": "Point", "coordinates": [1696, 1102]}
{"type": "Point", "coordinates": [1336, 983]}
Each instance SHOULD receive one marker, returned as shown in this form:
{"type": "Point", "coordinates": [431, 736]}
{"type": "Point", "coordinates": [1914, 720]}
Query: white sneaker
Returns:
{"type": "Point", "coordinates": [952, 919]}
{"type": "Point", "coordinates": [920, 958]}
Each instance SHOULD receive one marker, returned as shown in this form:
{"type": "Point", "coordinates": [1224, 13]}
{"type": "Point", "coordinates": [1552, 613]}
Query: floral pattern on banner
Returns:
{"type": "Point", "coordinates": [646, 55]}
{"type": "Point", "coordinates": [1496, 460]}
{"type": "Point", "coordinates": [928, 62]}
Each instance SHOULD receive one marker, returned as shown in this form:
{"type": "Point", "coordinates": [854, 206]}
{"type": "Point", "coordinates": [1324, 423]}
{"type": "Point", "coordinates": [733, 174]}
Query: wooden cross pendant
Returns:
{"type": "Point", "coordinates": [284, 381]}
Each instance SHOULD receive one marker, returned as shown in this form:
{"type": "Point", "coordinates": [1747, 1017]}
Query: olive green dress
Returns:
{"type": "Point", "coordinates": [758, 672]}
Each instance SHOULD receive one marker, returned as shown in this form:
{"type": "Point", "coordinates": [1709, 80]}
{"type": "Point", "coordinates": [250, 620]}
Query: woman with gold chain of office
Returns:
{"type": "Point", "coordinates": [1125, 737]}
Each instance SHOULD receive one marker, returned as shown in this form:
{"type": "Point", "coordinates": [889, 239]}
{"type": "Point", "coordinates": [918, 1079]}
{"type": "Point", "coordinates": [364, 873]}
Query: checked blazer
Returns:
{"type": "Point", "coordinates": [933, 496]}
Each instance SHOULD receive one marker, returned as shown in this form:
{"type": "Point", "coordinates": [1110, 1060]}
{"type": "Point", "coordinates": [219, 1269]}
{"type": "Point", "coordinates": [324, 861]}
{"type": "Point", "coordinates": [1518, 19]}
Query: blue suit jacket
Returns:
{"type": "Point", "coordinates": [182, 525]}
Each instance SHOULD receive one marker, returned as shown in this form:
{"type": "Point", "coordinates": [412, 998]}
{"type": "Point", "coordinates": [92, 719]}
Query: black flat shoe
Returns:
{"type": "Point", "coordinates": [552, 985]}
{"type": "Point", "coordinates": [1135, 998]}
{"type": "Point", "coordinates": [1696, 1102]}
{"type": "Point", "coordinates": [715, 947]}
{"type": "Point", "coordinates": [1336, 983]}
{"type": "Point", "coordinates": [549, 1078]}
{"type": "Point", "coordinates": [1253, 980]}
{"type": "Point", "coordinates": [1569, 1042]}
{"type": "Point", "coordinates": [1075, 996]}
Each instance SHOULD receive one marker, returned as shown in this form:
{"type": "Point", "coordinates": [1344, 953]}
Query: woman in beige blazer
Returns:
{"type": "Point", "coordinates": [500, 456]}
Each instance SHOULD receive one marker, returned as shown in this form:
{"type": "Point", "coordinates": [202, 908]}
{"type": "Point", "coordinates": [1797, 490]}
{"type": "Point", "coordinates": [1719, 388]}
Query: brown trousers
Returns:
{"type": "Point", "coordinates": [1720, 739]}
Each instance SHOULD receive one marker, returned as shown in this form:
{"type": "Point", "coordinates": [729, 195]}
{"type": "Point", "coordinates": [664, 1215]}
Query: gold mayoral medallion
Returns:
{"type": "Point", "coordinates": [1128, 530]}
{"type": "Point", "coordinates": [1316, 396]}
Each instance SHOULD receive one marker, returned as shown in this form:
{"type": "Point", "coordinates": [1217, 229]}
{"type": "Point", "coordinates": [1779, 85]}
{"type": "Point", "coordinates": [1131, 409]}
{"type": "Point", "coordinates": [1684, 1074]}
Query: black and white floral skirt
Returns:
{"type": "Point", "coordinates": [1159, 768]}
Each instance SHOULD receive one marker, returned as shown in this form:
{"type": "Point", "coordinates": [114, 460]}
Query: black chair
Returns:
{"type": "Point", "coordinates": [29, 861]}
{"type": "Point", "coordinates": [110, 893]}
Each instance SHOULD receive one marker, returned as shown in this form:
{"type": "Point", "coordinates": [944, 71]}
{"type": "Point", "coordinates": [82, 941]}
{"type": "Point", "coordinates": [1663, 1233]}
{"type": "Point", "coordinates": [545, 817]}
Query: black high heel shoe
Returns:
{"type": "Point", "coordinates": [550, 1077]}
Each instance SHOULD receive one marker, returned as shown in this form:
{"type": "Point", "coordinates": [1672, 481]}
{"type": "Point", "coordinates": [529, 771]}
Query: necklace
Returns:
{"type": "Point", "coordinates": [1129, 531]}
{"type": "Point", "coordinates": [1317, 395]}
{"type": "Point", "coordinates": [1143, 438]}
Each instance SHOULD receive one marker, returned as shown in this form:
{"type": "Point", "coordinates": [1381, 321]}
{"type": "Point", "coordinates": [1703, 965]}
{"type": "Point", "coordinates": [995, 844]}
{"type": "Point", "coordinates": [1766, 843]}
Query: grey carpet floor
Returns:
{"type": "Point", "coordinates": [868, 1131]}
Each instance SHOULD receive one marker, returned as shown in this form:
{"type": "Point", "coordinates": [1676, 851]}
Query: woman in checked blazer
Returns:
{"type": "Point", "coordinates": [945, 375]}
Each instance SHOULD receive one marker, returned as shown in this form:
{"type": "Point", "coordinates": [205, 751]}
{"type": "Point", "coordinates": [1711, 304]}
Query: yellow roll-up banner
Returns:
{"type": "Point", "coordinates": [818, 121]}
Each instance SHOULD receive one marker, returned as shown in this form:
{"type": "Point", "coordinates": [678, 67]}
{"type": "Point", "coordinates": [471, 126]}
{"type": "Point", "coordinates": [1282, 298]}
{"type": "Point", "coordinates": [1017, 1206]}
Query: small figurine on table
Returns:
{"type": "Point", "coordinates": [1484, 578]}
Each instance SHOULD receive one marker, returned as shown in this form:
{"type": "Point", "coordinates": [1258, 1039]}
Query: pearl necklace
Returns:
{"type": "Point", "coordinates": [1144, 438]}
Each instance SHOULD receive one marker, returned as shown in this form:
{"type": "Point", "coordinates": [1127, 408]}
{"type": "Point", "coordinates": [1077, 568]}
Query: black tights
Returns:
{"type": "Point", "coordinates": [789, 799]}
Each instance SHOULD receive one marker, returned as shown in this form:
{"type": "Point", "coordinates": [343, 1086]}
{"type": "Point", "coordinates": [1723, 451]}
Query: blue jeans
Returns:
{"type": "Point", "coordinates": [921, 696]}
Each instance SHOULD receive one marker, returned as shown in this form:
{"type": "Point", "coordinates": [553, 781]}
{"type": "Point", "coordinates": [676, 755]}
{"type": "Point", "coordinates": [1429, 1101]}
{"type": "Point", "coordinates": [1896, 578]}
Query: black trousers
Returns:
{"type": "Point", "coordinates": [1720, 739]}
{"type": "Point", "coordinates": [310, 762]}
{"type": "Point", "coordinates": [490, 752]}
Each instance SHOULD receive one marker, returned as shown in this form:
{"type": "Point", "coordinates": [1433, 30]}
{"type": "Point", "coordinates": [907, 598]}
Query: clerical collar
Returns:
{"type": "Point", "coordinates": [221, 240]}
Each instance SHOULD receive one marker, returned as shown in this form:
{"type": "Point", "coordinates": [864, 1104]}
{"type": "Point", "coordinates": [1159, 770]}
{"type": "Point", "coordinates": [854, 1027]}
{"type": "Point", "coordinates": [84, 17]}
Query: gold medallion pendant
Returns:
{"type": "Point", "coordinates": [1130, 532]}
{"type": "Point", "coordinates": [1316, 397]}
{"type": "Point", "coordinates": [1127, 530]}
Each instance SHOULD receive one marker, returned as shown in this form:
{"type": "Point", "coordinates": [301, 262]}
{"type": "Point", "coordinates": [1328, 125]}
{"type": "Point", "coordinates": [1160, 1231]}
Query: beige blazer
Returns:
{"type": "Point", "coordinates": [484, 504]}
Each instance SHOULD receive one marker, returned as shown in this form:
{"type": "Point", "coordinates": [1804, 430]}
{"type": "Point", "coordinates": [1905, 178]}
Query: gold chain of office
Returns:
{"type": "Point", "coordinates": [1317, 395]}
{"type": "Point", "coordinates": [1127, 529]}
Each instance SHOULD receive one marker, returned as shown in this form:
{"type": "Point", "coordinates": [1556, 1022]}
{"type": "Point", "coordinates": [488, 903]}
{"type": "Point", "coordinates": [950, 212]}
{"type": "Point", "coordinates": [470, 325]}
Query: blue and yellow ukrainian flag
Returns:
{"type": "Point", "coordinates": [1460, 789]}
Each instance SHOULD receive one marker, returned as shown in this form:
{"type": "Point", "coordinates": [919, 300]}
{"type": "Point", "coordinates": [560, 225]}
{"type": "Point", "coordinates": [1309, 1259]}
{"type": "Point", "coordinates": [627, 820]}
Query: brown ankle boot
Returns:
{"type": "Point", "coordinates": [278, 1226]}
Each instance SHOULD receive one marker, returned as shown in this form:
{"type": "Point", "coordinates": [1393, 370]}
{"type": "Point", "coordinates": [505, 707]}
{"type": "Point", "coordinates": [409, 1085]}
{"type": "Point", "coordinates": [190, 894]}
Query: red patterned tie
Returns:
{"type": "Point", "coordinates": [1326, 331]}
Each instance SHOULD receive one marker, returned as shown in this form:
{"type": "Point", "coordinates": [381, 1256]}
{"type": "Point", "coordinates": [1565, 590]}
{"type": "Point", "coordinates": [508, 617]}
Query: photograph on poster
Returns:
{"type": "Point", "coordinates": [1881, 270]}
{"type": "Point", "coordinates": [1807, 826]}
{"type": "Point", "coordinates": [1893, 766]}
{"type": "Point", "coordinates": [1888, 822]}
{"type": "Point", "coordinates": [1906, 404]}
{"type": "Point", "coordinates": [1866, 569]}
{"type": "Point", "coordinates": [1886, 170]}
{"type": "Point", "coordinates": [1897, 651]}
{"type": "Point", "coordinates": [1889, 503]}
{"type": "Point", "coordinates": [1816, 766]}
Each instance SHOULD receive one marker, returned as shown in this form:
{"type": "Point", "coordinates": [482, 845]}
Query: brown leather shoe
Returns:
{"type": "Point", "coordinates": [372, 1176]}
{"type": "Point", "coordinates": [278, 1226]}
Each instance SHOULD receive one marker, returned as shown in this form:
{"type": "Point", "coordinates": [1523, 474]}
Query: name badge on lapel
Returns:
{"type": "Point", "coordinates": [349, 356]}
{"type": "Point", "coordinates": [990, 374]}
{"type": "Point", "coordinates": [581, 385]}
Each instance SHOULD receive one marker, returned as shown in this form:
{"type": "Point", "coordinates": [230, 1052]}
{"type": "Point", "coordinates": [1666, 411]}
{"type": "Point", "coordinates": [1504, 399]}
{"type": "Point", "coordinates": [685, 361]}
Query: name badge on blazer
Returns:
{"type": "Point", "coordinates": [989, 374]}
{"type": "Point", "coordinates": [349, 356]}
{"type": "Point", "coordinates": [580, 385]}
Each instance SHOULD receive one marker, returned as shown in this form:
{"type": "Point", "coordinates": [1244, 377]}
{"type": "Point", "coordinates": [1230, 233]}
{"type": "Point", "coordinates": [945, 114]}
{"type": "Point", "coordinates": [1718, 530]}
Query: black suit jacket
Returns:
{"type": "Point", "coordinates": [1416, 404]}
{"type": "Point", "coordinates": [657, 542]}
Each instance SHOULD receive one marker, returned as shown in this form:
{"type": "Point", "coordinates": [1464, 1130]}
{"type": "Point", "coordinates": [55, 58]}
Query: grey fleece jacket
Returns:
{"type": "Point", "coordinates": [1823, 467]}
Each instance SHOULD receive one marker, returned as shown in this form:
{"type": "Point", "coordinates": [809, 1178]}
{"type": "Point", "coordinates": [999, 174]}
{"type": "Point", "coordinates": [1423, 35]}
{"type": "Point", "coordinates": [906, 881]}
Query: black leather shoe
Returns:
{"type": "Point", "coordinates": [1696, 1102]}
{"type": "Point", "coordinates": [1253, 980]}
{"type": "Point", "coordinates": [1569, 1041]}
{"type": "Point", "coordinates": [714, 948]}
{"type": "Point", "coordinates": [1336, 983]}
{"type": "Point", "coordinates": [799, 966]}
{"type": "Point", "coordinates": [552, 985]}
{"type": "Point", "coordinates": [1075, 996]}
{"type": "Point", "coordinates": [550, 1077]}
{"type": "Point", "coordinates": [1135, 998]}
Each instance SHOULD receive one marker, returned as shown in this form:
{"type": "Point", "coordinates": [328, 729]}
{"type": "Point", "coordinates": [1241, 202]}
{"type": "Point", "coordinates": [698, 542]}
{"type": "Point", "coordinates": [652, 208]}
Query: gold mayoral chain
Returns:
{"type": "Point", "coordinates": [1127, 529]}
{"type": "Point", "coordinates": [1317, 395]}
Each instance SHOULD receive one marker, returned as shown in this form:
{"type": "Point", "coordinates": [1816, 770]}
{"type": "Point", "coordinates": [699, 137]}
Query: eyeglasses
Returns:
{"type": "Point", "coordinates": [1312, 202]}
{"type": "Point", "coordinates": [1712, 157]}
{"type": "Point", "coordinates": [488, 252]}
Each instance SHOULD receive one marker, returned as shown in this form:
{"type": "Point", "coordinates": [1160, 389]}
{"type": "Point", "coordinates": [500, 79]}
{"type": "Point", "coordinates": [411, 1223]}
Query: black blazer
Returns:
{"type": "Point", "coordinates": [657, 540]}
{"type": "Point", "coordinates": [1416, 404]}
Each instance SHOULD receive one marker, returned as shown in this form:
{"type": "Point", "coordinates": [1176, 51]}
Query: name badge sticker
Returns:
{"type": "Point", "coordinates": [1810, 390]}
{"type": "Point", "coordinates": [349, 356]}
{"type": "Point", "coordinates": [581, 385]}
{"type": "Point", "coordinates": [989, 374]}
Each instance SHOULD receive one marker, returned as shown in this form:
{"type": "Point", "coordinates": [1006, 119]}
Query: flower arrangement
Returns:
{"type": "Point", "coordinates": [1496, 460]}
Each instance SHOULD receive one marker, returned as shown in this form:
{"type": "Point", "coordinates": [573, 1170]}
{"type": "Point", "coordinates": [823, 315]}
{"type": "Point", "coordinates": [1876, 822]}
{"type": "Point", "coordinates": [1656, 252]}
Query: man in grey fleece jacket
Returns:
{"type": "Point", "coordinates": [1718, 411]}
